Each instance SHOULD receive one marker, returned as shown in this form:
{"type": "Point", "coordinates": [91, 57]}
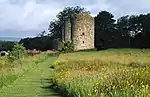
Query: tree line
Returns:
{"type": "Point", "coordinates": [6, 45]}
{"type": "Point", "coordinates": [130, 31]}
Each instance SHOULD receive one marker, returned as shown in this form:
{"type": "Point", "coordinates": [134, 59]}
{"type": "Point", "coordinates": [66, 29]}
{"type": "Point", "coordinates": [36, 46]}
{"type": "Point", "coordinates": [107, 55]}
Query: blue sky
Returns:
{"type": "Point", "coordinates": [25, 18]}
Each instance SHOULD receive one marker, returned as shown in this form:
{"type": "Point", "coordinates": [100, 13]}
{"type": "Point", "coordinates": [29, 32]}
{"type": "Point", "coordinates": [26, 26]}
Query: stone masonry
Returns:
{"type": "Point", "coordinates": [80, 30]}
{"type": "Point", "coordinates": [67, 30]}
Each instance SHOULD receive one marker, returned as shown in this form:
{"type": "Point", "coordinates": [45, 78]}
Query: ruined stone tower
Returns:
{"type": "Point", "coordinates": [80, 30]}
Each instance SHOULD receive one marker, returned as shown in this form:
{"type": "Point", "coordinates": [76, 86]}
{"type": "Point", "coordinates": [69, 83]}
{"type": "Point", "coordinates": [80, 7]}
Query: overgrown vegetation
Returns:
{"type": "Point", "coordinates": [17, 52]}
{"type": "Point", "coordinates": [67, 47]}
{"type": "Point", "coordinates": [16, 63]}
{"type": "Point", "coordinates": [6, 45]}
{"type": "Point", "coordinates": [110, 73]}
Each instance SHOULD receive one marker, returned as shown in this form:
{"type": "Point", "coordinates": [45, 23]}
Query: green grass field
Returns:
{"type": "Point", "coordinates": [11, 71]}
{"type": "Point", "coordinates": [32, 83]}
{"type": "Point", "coordinates": [30, 78]}
{"type": "Point", "coordinates": [108, 73]}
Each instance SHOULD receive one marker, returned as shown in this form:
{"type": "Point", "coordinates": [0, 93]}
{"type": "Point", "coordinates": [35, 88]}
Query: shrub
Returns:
{"type": "Point", "coordinates": [67, 47]}
{"type": "Point", "coordinates": [18, 51]}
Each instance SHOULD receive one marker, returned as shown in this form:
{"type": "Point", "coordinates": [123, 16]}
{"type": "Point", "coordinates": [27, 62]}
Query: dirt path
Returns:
{"type": "Point", "coordinates": [34, 83]}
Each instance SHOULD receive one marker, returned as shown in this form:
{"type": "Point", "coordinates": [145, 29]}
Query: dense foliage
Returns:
{"type": "Point", "coordinates": [6, 45]}
{"type": "Point", "coordinates": [42, 43]}
{"type": "Point", "coordinates": [17, 52]}
{"type": "Point", "coordinates": [67, 47]}
{"type": "Point", "coordinates": [105, 32]}
{"type": "Point", "coordinates": [57, 25]}
{"type": "Point", "coordinates": [128, 32]}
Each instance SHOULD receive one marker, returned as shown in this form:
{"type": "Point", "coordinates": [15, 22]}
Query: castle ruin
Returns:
{"type": "Point", "coordinates": [80, 31]}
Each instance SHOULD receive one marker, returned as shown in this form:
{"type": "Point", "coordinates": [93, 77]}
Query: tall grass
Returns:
{"type": "Point", "coordinates": [110, 73]}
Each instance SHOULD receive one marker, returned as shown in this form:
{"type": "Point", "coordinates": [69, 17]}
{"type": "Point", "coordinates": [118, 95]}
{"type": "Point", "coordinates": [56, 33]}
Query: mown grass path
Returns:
{"type": "Point", "coordinates": [33, 83]}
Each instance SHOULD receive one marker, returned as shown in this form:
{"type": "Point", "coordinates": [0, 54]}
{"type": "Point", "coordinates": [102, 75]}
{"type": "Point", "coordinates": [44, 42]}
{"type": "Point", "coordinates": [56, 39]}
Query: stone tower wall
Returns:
{"type": "Point", "coordinates": [67, 29]}
{"type": "Point", "coordinates": [83, 32]}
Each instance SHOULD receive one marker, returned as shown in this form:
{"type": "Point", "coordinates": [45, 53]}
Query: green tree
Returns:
{"type": "Point", "coordinates": [40, 43]}
{"type": "Point", "coordinates": [123, 26]}
{"type": "Point", "coordinates": [43, 33]}
{"type": "Point", "coordinates": [6, 45]}
{"type": "Point", "coordinates": [56, 26]}
{"type": "Point", "coordinates": [104, 29]}
{"type": "Point", "coordinates": [67, 47]}
{"type": "Point", "coordinates": [146, 30]}
{"type": "Point", "coordinates": [133, 30]}
{"type": "Point", "coordinates": [17, 52]}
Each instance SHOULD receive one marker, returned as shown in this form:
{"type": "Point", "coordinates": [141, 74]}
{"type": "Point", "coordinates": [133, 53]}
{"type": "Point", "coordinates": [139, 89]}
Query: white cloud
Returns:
{"type": "Point", "coordinates": [125, 7]}
{"type": "Point", "coordinates": [26, 17]}
{"type": "Point", "coordinates": [34, 16]}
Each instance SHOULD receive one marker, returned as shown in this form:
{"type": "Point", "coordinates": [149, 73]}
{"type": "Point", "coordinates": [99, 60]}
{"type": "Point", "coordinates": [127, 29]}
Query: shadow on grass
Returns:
{"type": "Point", "coordinates": [49, 91]}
